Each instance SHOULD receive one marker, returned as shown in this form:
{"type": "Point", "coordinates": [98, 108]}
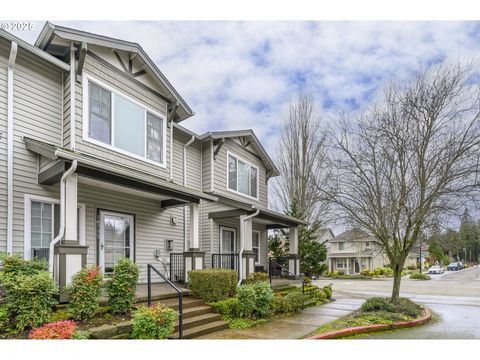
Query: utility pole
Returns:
{"type": "Point", "coordinates": [420, 257]}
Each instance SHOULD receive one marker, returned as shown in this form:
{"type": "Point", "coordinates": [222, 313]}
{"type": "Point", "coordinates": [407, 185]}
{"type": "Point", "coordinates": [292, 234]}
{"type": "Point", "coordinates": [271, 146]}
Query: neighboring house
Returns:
{"type": "Point", "coordinates": [324, 236]}
{"type": "Point", "coordinates": [354, 250]}
{"type": "Point", "coordinates": [95, 166]}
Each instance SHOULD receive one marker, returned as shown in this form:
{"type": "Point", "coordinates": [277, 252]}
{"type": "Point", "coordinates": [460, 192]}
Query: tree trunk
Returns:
{"type": "Point", "coordinates": [397, 277]}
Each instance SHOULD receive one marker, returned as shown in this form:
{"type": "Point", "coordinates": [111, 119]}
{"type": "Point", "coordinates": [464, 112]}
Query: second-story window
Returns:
{"type": "Point", "coordinates": [125, 125]}
{"type": "Point", "coordinates": [341, 246]}
{"type": "Point", "coordinates": [242, 177]}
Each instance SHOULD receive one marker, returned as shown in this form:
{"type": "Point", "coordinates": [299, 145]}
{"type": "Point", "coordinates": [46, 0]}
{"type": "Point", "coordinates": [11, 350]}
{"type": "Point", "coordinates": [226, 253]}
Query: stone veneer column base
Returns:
{"type": "Point", "coordinates": [194, 259]}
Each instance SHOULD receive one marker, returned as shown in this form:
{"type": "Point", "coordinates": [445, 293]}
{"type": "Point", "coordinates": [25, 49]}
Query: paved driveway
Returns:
{"type": "Point", "coordinates": [295, 326]}
{"type": "Point", "coordinates": [453, 296]}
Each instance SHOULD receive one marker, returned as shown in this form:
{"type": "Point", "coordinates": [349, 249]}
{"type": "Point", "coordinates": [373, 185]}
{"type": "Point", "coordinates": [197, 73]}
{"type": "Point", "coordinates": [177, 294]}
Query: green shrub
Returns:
{"type": "Point", "coordinates": [229, 308]}
{"type": "Point", "coordinates": [256, 277]}
{"type": "Point", "coordinates": [85, 292]}
{"type": "Point", "coordinates": [81, 335]}
{"type": "Point", "coordinates": [404, 306]}
{"type": "Point", "coordinates": [295, 300]}
{"type": "Point", "coordinates": [14, 266]}
{"type": "Point", "coordinates": [4, 316]}
{"type": "Point", "coordinates": [307, 280]}
{"type": "Point", "coordinates": [247, 298]}
{"type": "Point", "coordinates": [122, 286]}
{"type": "Point", "coordinates": [212, 284]}
{"type": "Point", "coordinates": [280, 305]}
{"type": "Point", "coordinates": [153, 322]}
{"type": "Point", "coordinates": [419, 276]}
{"type": "Point", "coordinates": [30, 298]}
{"type": "Point", "coordinates": [263, 298]}
{"type": "Point", "coordinates": [319, 295]}
{"type": "Point", "coordinates": [328, 291]}
{"type": "Point", "coordinates": [365, 272]}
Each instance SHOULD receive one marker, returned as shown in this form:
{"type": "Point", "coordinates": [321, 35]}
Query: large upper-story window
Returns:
{"type": "Point", "coordinates": [123, 124]}
{"type": "Point", "coordinates": [242, 177]}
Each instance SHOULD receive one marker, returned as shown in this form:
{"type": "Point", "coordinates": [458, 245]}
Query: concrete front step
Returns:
{"type": "Point", "coordinates": [199, 320]}
{"type": "Point", "coordinates": [187, 302]}
{"type": "Point", "coordinates": [202, 330]}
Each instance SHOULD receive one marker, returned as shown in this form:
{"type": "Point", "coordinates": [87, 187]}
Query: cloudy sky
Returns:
{"type": "Point", "coordinates": [243, 74]}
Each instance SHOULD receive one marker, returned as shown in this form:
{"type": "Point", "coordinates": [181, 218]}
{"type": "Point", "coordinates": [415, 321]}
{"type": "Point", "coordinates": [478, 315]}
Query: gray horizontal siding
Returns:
{"type": "Point", "coordinates": [206, 165]}
{"type": "Point", "coordinates": [194, 160]}
{"type": "Point", "coordinates": [4, 50]}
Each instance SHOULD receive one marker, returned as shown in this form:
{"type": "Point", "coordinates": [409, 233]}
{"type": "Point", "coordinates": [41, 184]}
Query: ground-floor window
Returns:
{"type": "Point", "coordinates": [341, 263]}
{"type": "Point", "coordinates": [116, 238]}
{"type": "Point", "coordinates": [42, 223]}
{"type": "Point", "coordinates": [256, 246]}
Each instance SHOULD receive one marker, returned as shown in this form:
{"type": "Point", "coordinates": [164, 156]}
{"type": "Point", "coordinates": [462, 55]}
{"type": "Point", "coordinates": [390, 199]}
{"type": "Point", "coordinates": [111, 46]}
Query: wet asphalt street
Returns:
{"type": "Point", "coordinates": [454, 297]}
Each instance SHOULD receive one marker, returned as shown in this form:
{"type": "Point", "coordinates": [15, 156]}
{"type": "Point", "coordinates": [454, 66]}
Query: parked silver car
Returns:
{"type": "Point", "coordinates": [435, 270]}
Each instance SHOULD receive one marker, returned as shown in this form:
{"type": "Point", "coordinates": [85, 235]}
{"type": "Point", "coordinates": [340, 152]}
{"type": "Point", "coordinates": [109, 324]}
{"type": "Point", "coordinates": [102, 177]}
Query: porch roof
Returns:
{"type": "Point", "coordinates": [95, 167]}
{"type": "Point", "coordinates": [275, 220]}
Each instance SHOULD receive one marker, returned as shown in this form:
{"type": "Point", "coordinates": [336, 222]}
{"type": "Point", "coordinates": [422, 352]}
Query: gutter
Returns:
{"type": "Point", "coordinates": [187, 144]}
{"type": "Point", "coordinates": [11, 66]}
{"type": "Point", "coordinates": [242, 241]}
{"type": "Point", "coordinates": [61, 232]}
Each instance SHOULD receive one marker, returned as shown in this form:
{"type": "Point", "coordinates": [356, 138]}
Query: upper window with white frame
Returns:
{"type": "Point", "coordinates": [123, 124]}
{"type": "Point", "coordinates": [242, 177]}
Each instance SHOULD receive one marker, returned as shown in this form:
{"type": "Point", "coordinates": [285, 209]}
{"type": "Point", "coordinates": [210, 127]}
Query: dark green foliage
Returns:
{"type": "Point", "coordinates": [14, 266]}
{"type": "Point", "coordinates": [122, 286]}
{"type": "Point", "coordinates": [328, 291]}
{"type": "Point", "coordinates": [4, 316]}
{"type": "Point", "coordinates": [247, 298]}
{"type": "Point", "coordinates": [212, 284]}
{"type": "Point", "coordinates": [256, 277]}
{"type": "Point", "coordinates": [278, 247]}
{"type": "Point", "coordinates": [263, 298]}
{"type": "Point", "coordinates": [280, 305]}
{"type": "Point", "coordinates": [229, 308]}
{"type": "Point", "coordinates": [295, 299]}
{"type": "Point", "coordinates": [153, 322]}
{"type": "Point", "coordinates": [404, 306]}
{"type": "Point", "coordinates": [30, 299]}
{"type": "Point", "coordinates": [420, 276]}
{"type": "Point", "coordinates": [84, 292]}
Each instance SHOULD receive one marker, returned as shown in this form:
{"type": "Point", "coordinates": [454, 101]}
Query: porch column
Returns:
{"type": "Point", "coordinates": [348, 265]}
{"type": "Point", "coordinates": [194, 258]}
{"type": "Point", "coordinates": [248, 257]}
{"type": "Point", "coordinates": [293, 257]}
{"type": "Point", "coordinates": [69, 255]}
{"type": "Point", "coordinates": [330, 269]}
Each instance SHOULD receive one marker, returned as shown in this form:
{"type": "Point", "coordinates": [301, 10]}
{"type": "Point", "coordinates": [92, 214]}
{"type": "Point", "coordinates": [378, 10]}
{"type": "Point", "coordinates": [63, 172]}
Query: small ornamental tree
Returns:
{"type": "Point", "coordinates": [85, 292]}
{"type": "Point", "coordinates": [122, 286]}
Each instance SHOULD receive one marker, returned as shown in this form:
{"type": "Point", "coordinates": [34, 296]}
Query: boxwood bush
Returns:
{"type": "Point", "coordinates": [404, 306]}
{"type": "Point", "coordinates": [295, 300]}
{"type": "Point", "coordinates": [122, 286]}
{"type": "Point", "coordinates": [280, 305]}
{"type": "Point", "coordinates": [263, 298]}
{"type": "Point", "coordinates": [419, 276]}
{"type": "Point", "coordinates": [212, 284]}
{"type": "Point", "coordinates": [229, 308]}
{"type": "Point", "coordinates": [85, 292]}
{"type": "Point", "coordinates": [328, 291]}
{"type": "Point", "coordinates": [247, 299]}
{"type": "Point", "coordinates": [255, 277]}
{"type": "Point", "coordinates": [156, 322]}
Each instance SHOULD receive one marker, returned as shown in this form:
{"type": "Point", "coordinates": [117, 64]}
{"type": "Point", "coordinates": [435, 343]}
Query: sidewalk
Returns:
{"type": "Point", "coordinates": [295, 326]}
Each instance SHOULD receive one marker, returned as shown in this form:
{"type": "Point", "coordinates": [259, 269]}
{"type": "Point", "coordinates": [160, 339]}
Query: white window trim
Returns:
{"type": "Point", "coordinates": [86, 121]}
{"type": "Point", "coordinates": [234, 237]}
{"type": "Point", "coordinates": [344, 263]}
{"type": "Point", "coordinates": [228, 177]}
{"type": "Point", "coordinates": [27, 223]}
{"type": "Point", "coordinates": [259, 262]}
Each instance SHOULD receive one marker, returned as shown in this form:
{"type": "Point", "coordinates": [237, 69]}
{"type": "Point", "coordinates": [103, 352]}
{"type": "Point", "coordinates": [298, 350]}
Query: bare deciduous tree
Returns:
{"type": "Point", "coordinates": [409, 160]}
{"type": "Point", "coordinates": [301, 158]}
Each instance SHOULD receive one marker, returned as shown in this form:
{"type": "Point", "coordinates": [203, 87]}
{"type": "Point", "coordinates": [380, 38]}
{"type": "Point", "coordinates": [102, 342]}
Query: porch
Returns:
{"type": "Point", "coordinates": [350, 263]}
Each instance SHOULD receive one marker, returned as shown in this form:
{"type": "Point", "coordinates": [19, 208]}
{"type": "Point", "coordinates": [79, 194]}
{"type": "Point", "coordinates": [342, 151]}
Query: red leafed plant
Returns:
{"type": "Point", "coordinates": [55, 330]}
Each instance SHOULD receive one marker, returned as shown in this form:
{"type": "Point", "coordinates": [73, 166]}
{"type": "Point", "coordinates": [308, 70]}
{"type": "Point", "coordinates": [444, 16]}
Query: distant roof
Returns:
{"type": "Point", "coordinates": [353, 235]}
{"type": "Point", "coordinates": [324, 231]}
{"type": "Point", "coordinates": [50, 30]}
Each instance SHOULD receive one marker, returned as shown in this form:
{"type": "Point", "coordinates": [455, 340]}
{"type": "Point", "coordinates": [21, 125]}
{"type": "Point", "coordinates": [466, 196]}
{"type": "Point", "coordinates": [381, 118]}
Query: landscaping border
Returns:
{"type": "Point", "coordinates": [374, 327]}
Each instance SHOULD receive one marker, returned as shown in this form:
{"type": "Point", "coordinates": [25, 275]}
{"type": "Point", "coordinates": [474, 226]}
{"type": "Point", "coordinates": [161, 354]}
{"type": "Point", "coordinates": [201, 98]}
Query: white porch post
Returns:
{"type": "Point", "coordinates": [348, 265]}
{"type": "Point", "coordinates": [71, 208]}
{"type": "Point", "coordinates": [330, 269]}
{"type": "Point", "coordinates": [194, 258]}
{"type": "Point", "coordinates": [294, 257]}
{"type": "Point", "coordinates": [248, 257]}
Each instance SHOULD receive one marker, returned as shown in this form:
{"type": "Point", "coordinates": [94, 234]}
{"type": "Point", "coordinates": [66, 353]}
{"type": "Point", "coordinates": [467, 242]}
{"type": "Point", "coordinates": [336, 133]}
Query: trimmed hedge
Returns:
{"type": "Point", "coordinates": [229, 308]}
{"type": "Point", "coordinates": [122, 286]}
{"type": "Point", "coordinates": [256, 277]}
{"type": "Point", "coordinates": [404, 306]}
{"type": "Point", "coordinates": [295, 300]}
{"type": "Point", "coordinates": [420, 276]}
{"type": "Point", "coordinates": [84, 292]}
{"type": "Point", "coordinates": [212, 284]}
{"type": "Point", "coordinates": [328, 291]}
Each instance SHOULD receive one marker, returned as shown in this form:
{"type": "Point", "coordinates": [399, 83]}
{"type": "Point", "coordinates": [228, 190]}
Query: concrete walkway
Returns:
{"type": "Point", "coordinates": [295, 326]}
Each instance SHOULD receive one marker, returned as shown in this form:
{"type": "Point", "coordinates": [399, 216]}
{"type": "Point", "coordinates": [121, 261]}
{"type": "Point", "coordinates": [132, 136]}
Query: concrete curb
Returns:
{"type": "Point", "coordinates": [374, 327]}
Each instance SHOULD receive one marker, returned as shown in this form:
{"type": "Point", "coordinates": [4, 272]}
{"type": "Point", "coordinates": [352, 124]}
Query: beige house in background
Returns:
{"type": "Point", "coordinates": [354, 250]}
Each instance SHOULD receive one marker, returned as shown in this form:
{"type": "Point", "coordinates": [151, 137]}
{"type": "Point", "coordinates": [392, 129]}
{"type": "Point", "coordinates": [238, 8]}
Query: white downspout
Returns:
{"type": "Point", "coordinates": [242, 244]}
{"type": "Point", "coordinates": [171, 150]}
{"type": "Point", "coordinates": [187, 144]}
{"type": "Point", "coordinates": [11, 66]}
{"type": "Point", "coordinates": [61, 232]}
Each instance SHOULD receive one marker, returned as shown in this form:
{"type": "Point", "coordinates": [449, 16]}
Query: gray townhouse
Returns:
{"type": "Point", "coordinates": [95, 166]}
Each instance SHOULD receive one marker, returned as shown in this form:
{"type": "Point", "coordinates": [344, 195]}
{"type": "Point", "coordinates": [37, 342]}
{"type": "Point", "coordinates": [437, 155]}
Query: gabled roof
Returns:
{"type": "Point", "coordinates": [34, 50]}
{"type": "Point", "coordinates": [353, 235]}
{"type": "Point", "coordinates": [50, 30]}
{"type": "Point", "coordinates": [251, 138]}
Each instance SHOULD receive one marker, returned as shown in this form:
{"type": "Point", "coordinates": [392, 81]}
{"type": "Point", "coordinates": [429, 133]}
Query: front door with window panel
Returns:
{"type": "Point", "coordinates": [116, 239]}
{"type": "Point", "coordinates": [227, 246]}
{"type": "Point", "coordinates": [256, 246]}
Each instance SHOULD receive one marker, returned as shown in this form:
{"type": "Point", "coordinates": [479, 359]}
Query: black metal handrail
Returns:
{"type": "Point", "coordinates": [225, 261]}
{"type": "Point", "coordinates": [272, 262]}
{"type": "Point", "coordinates": [150, 267]}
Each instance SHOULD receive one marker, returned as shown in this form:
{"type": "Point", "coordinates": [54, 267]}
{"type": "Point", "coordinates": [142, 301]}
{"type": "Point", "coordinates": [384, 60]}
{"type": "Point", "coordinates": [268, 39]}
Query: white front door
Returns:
{"type": "Point", "coordinates": [227, 247]}
{"type": "Point", "coordinates": [116, 239]}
